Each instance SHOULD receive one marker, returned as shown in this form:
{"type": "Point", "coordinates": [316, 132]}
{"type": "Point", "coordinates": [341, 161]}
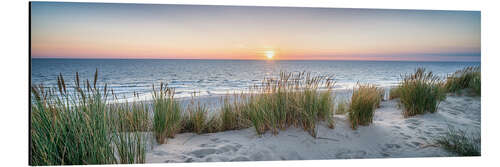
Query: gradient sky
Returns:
{"type": "Point", "coordinates": [103, 30]}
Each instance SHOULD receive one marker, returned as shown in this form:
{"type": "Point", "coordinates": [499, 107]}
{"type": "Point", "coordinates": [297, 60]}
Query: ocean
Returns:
{"type": "Point", "coordinates": [216, 77]}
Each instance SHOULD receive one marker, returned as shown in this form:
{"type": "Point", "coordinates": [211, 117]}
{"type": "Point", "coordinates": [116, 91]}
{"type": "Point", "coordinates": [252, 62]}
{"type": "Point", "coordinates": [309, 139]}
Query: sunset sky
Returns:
{"type": "Point", "coordinates": [100, 30]}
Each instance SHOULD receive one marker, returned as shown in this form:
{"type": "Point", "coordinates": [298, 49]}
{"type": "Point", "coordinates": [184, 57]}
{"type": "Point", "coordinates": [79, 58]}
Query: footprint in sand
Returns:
{"type": "Point", "coordinates": [204, 152]}
{"type": "Point", "coordinates": [413, 122]}
{"type": "Point", "coordinates": [351, 154]}
{"type": "Point", "coordinates": [405, 136]}
{"type": "Point", "coordinates": [388, 148]}
{"type": "Point", "coordinates": [213, 148]}
{"type": "Point", "coordinates": [260, 156]}
{"type": "Point", "coordinates": [416, 143]}
{"type": "Point", "coordinates": [207, 145]}
{"type": "Point", "coordinates": [396, 126]}
{"type": "Point", "coordinates": [411, 127]}
{"type": "Point", "coordinates": [160, 153]}
{"type": "Point", "coordinates": [228, 148]}
{"type": "Point", "coordinates": [240, 159]}
{"type": "Point", "coordinates": [392, 146]}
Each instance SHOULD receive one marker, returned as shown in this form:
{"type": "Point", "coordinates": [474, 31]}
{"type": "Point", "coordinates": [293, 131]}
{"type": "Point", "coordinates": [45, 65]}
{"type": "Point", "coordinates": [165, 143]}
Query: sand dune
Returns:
{"type": "Point", "coordinates": [390, 135]}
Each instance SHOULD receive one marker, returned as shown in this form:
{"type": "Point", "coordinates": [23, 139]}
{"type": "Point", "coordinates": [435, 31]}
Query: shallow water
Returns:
{"type": "Point", "coordinates": [215, 77]}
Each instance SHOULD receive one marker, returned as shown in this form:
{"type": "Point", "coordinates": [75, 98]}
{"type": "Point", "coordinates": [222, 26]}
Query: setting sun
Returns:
{"type": "Point", "coordinates": [270, 54]}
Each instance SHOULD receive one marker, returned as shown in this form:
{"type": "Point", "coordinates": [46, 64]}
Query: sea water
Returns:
{"type": "Point", "coordinates": [216, 77]}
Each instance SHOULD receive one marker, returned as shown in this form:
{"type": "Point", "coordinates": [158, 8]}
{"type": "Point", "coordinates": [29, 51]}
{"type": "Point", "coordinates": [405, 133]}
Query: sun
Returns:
{"type": "Point", "coordinates": [269, 54]}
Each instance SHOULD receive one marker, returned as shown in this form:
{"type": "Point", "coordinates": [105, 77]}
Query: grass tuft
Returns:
{"type": "Point", "coordinates": [231, 115]}
{"type": "Point", "coordinates": [394, 93]}
{"type": "Point", "coordinates": [461, 143]}
{"type": "Point", "coordinates": [76, 125]}
{"type": "Point", "coordinates": [293, 99]}
{"type": "Point", "coordinates": [365, 99]}
{"type": "Point", "coordinates": [420, 93]}
{"type": "Point", "coordinates": [342, 107]}
{"type": "Point", "coordinates": [196, 118]}
{"type": "Point", "coordinates": [166, 113]}
{"type": "Point", "coordinates": [469, 77]}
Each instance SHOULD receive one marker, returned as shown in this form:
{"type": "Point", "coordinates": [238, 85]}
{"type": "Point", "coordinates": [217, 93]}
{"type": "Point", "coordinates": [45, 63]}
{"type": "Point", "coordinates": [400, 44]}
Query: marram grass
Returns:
{"type": "Point", "coordinates": [77, 125]}
{"type": "Point", "coordinates": [166, 114]}
{"type": "Point", "coordinates": [420, 93]}
{"type": "Point", "coordinates": [394, 93]}
{"type": "Point", "coordinates": [293, 99]}
{"type": "Point", "coordinates": [195, 119]}
{"type": "Point", "coordinates": [461, 143]}
{"type": "Point", "coordinates": [342, 107]}
{"type": "Point", "coordinates": [74, 126]}
{"type": "Point", "coordinates": [469, 77]}
{"type": "Point", "coordinates": [365, 99]}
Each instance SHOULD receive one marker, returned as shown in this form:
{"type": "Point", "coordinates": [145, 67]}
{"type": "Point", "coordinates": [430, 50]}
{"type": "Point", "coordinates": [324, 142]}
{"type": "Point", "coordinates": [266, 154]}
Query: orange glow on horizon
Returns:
{"type": "Point", "coordinates": [270, 54]}
{"type": "Point", "coordinates": [75, 30]}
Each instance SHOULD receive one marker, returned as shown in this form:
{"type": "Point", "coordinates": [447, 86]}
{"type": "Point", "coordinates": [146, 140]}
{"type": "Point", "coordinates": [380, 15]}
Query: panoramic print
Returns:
{"type": "Point", "coordinates": [118, 83]}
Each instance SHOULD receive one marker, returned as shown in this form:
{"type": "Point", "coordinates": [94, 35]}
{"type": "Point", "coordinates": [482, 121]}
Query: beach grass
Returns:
{"type": "Point", "coordinates": [469, 77]}
{"type": "Point", "coordinates": [130, 119]}
{"type": "Point", "coordinates": [82, 127]}
{"type": "Point", "coordinates": [461, 143]}
{"type": "Point", "coordinates": [196, 118]}
{"type": "Point", "coordinates": [342, 107]}
{"type": "Point", "coordinates": [166, 113]}
{"type": "Point", "coordinates": [131, 147]}
{"type": "Point", "coordinates": [420, 92]}
{"type": "Point", "coordinates": [365, 99]}
{"type": "Point", "coordinates": [231, 113]}
{"type": "Point", "coordinates": [74, 126]}
{"type": "Point", "coordinates": [130, 116]}
{"type": "Point", "coordinates": [293, 99]}
{"type": "Point", "coordinates": [214, 124]}
{"type": "Point", "coordinates": [394, 93]}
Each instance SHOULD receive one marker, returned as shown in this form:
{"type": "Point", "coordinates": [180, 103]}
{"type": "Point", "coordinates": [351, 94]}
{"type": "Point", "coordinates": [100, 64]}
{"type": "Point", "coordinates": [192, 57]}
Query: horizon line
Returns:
{"type": "Point", "coordinates": [79, 58]}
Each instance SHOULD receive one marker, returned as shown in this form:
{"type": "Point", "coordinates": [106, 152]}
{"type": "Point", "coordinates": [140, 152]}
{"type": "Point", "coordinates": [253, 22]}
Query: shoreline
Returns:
{"type": "Point", "coordinates": [213, 102]}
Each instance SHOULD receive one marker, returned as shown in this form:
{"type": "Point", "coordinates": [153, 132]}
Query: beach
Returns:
{"type": "Point", "coordinates": [165, 83]}
{"type": "Point", "coordinates": [389, 136]}
{"type": "Point", "coordinates": [294, 117]}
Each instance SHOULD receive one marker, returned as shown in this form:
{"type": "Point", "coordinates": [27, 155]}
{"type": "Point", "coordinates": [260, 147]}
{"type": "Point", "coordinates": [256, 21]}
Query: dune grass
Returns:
{"type": "Point", "coordinates": [214, 124]}
{"type": "Point", "coordinates": [394, 93]}
{"type": "Point", "coordinates": [166, 114]}
{"type": "Point", "coordinates": [469, 77]}
{"type": "Point", "coordinates": [461, 143]}
{"type": "Point", "coordinates": [130, 116]}
{"type": "Point", "coordinates": [276, 104]}
{"type": "Point", "coordinates": [365, 99]}
{"type": "Point", "coordinates": [196, 118]}
{"type": "Point", "coordinates": [342, 107]}
{"type": "Point", "coordinates": [420, 93]}
{"type": "Point", "coordinates": [293, 99]}
{"type": "Point", "coordinates": [231, 113]}
{"type": "Point", "coordinates": [129, 120]}
{"type": "Point", "coordinates": [73, 125]}
{"type": "Point", "coordinates": [81, 127]}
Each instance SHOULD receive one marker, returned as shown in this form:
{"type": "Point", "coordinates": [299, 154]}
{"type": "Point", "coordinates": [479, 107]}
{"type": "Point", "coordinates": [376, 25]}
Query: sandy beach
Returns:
{"type": "Point", "coordinates": [390, 136]}
{"type": "Point", "coordinates": [131, 83]}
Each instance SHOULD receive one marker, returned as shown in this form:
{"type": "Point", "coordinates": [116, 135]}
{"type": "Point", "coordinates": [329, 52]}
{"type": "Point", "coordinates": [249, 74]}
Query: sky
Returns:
{"type": "Point", "coordinates": [161, 31]}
